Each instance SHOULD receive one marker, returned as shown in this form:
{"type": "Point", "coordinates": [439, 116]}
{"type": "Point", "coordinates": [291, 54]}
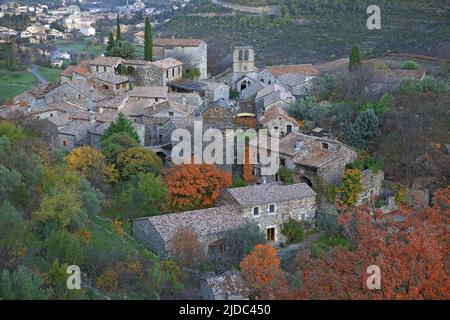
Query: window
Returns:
{"type": "Point", "coordinates": [104, 69]}
{"type": "Point", "coordinates": [96, 68]}
{"type": "Point", "coordinates": [64, 143]}
{"type": "Point", "coordinates": [179, 70]}
{"type": "Point", "coordinates": [216, 249]}
{"type": "Point", "coordinates": [256, 211]}
{"type": "Point", "coordinates": [289, 128]}
{"type": "Point", "coordinates": [271, 234]}
{"type": "Point", "coordinates": [117, 86]}
{"type": "Point", "coordinates": [173, 72]}
{"type": "Point", "coordinates": [51, 114]}
{"type": "Point", "coordinates": [302, 216]}
{"type": "Point", "coordinates": [324, 145]}
{"type": "Point", "coordinates": [79, 97]}
{"type": "Point", "coordinates": [156, 99]}
{"type": "Point", "coordinates": [272, 208]}
{"type": "Point", "coordinates": [170, 113]}
{"type": "Point", "coordinates": [167, 73]}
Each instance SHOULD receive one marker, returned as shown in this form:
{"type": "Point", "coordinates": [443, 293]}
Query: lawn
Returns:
{"type": "Point", "coordinates": [325, 243]}
{"type": "Point", "coordinates": [51, 74]}
{"type": "Point", "coordinates": [14, 82]}
{"type": "Point", "coordinates": [73, 46]}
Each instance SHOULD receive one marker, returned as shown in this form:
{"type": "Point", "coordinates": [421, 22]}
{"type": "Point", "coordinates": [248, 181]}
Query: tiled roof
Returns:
{"type": "Point", "coordinates": [106, 61]}
{"type": "Point", "coordinates": [203, 222]}
{"type": "Point", "coordinates": [268, 90]}
{"type": "Point", "coordinates": [161, 42]}
{"type": "Point", "coordinates": [275, 112]}
{"type": "Point", "coordinates": [270, 193]}
{"type": "Point", "coordinates": [83, 68]}
{"type": "Point", "coordinates": [135, 108]}
{"type": "Point", "coordinates": [228, 285]}
{"type": "Point", "coordinates": [167, 63]}
{"type": "Point", "coordinates": [292, 79]}
{"type": "Point", "coordinates": [110, 78]}
{"type": "Point", "coordinates": [87, 90]}
{"type": "Point", "coordinates": [68, 71]}
{"type": "Point", "coordinates": [115, 102]}
{"type": "Point", "coordinates": [41, 90]}
{"type": "Point", "coordinates": [149, 92]}
{"type": "Point", "coordinates": [304, 69]}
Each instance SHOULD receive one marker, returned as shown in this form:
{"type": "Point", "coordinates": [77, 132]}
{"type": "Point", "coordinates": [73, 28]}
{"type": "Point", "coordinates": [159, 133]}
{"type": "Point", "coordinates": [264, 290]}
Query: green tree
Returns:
{"type": "Point", "coordinates": [148, 41]}
{"type": "Point", "coordinates": [144, 196]}
{"type": "Point", "coordinates": [138, 160]}
{"type": "Point", "coordinates": [293, 230]}
{"type": "Point", "coordinates": [111, 43]}
{"type": "Point", "coordinates": [118, 33]}
{"type": "Point", "coordinates": [64, 246]}
{"type": "Point", "coordinates": [239, 242]}
{"type": "Point", "coordinates": [22, 285]}
{"type": "Point", "coordinates": [117, 143]}
{"type": "Point", "coordinates": [355, 59]}
{"type": "Point", "coordinates": [10, 181]}
{"type": "Point", "coordinates": [123, 49]}
{"type": "Point", "coordinates": [12, 235]}
{"type": "Point", "coordinates": [122, 124]}
{"type": "Point", "coordinates": [12, 131]}
{"type": "Point", "coordinates": [286, 175]}
{"type": "Point", "coordinates": [363, 130]}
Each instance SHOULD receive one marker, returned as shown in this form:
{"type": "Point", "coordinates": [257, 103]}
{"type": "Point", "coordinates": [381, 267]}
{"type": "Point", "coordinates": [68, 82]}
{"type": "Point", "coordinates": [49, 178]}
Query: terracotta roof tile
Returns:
{"type": "Point", "coordinates": [83, 68]}
{"type": "Point", "coordinates": [304, 69]}
{"type": "Point", "coordinates": [162, 42]}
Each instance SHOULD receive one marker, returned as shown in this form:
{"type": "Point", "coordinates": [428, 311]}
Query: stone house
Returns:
{"type": "Point", "coordinates": [105, 64]}
{"type": "Point", "coordinates": [109, 84]}
{"type": "Point", "coordinates": [279, 122]}
{"type": "Point", "coordinates": [171, 68]}
{"type": "Point", "coordinates": [273, 96]}
{"type": "Point", "coordinates": [79, 92]}
{"type": "Point", "coordinates": [312, 159]}
{"type": "Point", "coordinates": [208, 90]}
{"type": "Point", "coordinates": [36, 96]}
{"type": "Point", "coordinates": [210, 225]}
{"type": "Point", "coordinates": [270, 205]}
{"type": "Point", "coordinates": [218, 115]}
{"type": "Point", "coordinates": [273, 74]}
{"type": "Point", "coordinates": [372, 182]}
{"type": "Point", "coordinates": [151, 94]}
{"type": "Point", "coordinates": [193, 53]}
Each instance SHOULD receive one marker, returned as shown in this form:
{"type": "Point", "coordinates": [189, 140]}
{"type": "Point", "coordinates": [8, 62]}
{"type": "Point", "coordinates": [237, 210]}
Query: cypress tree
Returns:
{"type": "Point", "coordinates": [355, 58]}
{"type": "Point", "coordinates": [111, 43]}
{"type": "Point", "coordinates": [118, 34]}
{"type": "Point", "coordinates": [148, 41]}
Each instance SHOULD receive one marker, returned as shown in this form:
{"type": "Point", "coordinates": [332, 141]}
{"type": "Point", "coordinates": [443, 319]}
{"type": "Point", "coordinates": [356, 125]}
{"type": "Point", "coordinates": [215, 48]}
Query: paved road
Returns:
{"type": "Point", "coordinates": [271, 10]}
{"type": "Point", "coordinates": [35, 71]}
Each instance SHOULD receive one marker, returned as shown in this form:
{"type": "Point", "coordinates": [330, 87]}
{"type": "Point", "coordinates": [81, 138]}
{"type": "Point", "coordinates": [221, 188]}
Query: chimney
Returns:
{"type": "Point", "coordinates": [100, 110]}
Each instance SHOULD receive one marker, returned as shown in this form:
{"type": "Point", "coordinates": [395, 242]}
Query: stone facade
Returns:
{"type": "Point", "coordinates": [372, 185]}
{"type": "Point", "coordinates": [274, 215]}
{"type": "Point", "coordinates": [192, 56]}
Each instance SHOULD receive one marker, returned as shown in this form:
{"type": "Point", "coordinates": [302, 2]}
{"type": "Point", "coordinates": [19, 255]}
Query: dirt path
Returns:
{"type": "Point", "coordinates": [270, 10]}
{"type": "Point", "coordinates": [35, 71]}
{"type": "Point", "coordinates": [289, 253]}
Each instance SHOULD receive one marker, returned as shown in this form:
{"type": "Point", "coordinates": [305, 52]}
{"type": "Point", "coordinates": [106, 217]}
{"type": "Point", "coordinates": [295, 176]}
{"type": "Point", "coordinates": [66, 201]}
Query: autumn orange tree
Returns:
{"type": "Point", "coordinates": [262, 273]}
{"type": "Point", "coordinates": [194, 186]}
{"type": "Point", "coordinates": [411, 249]}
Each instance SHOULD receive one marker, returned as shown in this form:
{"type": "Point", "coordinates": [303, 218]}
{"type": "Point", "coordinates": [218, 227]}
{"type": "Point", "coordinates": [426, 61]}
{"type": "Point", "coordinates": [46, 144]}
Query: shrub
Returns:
{"type": "Point", "coordinates": [239, 182]}
{"type": "Point", "coordinates": [409, 65]}
{"type": "Point", "coordinates": [286, 175]}
{"type": "Point", "coordinates": [294, 231]}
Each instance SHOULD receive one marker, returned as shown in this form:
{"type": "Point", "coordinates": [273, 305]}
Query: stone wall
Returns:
{"type": "Point", "coordinates": [372, 185]}
{"type": "Point", "coordinates": [65, 92]}
{"type": "Point", "coordinates": [149, 76]}
{"type": "Point", "coordinates": [144, 232]}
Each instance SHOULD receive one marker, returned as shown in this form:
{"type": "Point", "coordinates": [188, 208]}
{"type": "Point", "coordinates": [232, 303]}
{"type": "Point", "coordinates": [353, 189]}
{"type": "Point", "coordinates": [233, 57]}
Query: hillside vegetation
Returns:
{"type": "Point", "coordinates": [312, 31]}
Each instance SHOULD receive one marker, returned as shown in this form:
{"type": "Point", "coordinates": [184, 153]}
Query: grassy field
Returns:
{"type": "Point", "coordinates": [79, 46]}
{"type": "Point", "coordinates": [14, 82]}
{"type": "Point", "coordinates": [51, 74]}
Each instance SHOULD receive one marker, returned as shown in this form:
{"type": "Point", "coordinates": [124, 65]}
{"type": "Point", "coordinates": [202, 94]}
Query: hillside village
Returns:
{"type": "Point", "coordinates": [113, 119]}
